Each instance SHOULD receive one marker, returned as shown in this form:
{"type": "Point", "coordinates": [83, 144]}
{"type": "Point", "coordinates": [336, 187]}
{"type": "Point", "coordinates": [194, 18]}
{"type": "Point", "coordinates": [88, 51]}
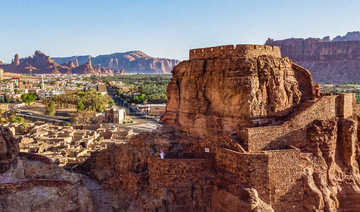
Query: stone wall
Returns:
{"type": "Point", "coordinates": [129, 181]}
{"type": "Point", "coordinates": [286, 185]}
{"type": "Point", "coordinates": [276, 175]}
{"type": "Point", "coordinates": [169, 172]}
{"type": "Point", "coordinates": [291, 132]}
{"type": "Point", "coordinates": [232, 51]}
{"type": "Point", "coordinates": [345, 104]}
{"type": "Point", "coordinates": [250, 169]}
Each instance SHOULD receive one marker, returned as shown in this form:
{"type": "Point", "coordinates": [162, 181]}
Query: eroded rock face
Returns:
{"type": "Point", "coordinates": [331, 173]}
{"type": "Point", "coordinates": [328, 61]}
{"type": "Point", "coordinates": [225, 94]}
{"type": "Point", "coordinates": [9, 148]}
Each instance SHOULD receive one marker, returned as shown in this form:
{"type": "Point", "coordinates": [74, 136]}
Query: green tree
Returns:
{"type": "Point", "coordinates": [50, 110]}
{"type": "Point", "coordinates": [1, 99]}
{"type": "Point", "coordinates": [111, 102]}
{"type": "Point", "coordinates": [16, 91]}
{"type": "Point", "coordinates": [17, 119]}
{"type": "Point", "coordinates": [28, 98]}
{"type": "Point", "coordinates": [80, 106]}
{"type": "Point", "coordinates": [7, 100]}
{"type": "Point", "coordinates": [64, 123]}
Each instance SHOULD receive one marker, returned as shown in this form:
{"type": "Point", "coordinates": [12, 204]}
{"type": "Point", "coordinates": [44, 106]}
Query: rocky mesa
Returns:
{"type": "Point", "coordinates": [329, 61]}
{"type": "Point", "coordinates": [244, 130]}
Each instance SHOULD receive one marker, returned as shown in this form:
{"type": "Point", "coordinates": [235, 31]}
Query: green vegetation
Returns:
{"type": "Point", "coordinates": [17, 119]}
{"type": "Point", "coordinates": [349, 87]}
{"type": "Point", "coordinates": [149, 87]}
{"type": "Point", "coordinates": [7, 100]}
{"type": "Point", "coordinates": [1, 100]}
{"type": "Point", "coordinates": [16, 91]}
{"type": "Point", "coordinates": [89, 100]}
{"type": "Point", "coordinates": [138, 78]}
{"type": "Point", "coordinates": [64, 124]}
{"type": "Point", "coordinates": [50, 110]}
{"type": "Point", "coordinates": [124, 122]}
{"type": "Point", "coordinates": [28, 98]}
{"type": "Point", "coordinates": [80, 106]}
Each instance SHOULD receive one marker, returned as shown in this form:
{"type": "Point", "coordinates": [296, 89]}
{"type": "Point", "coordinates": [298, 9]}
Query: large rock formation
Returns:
{"type": "Point", "coordinates": [222, 94]}
{"type": "Point", "coordinates": [30, 182]}
{"type": "Point", "coordinates": [131, 62]}
{"type": "Point", "coordinates": [329, 61]}
{"type": "Point", "coordinates": [38, 64]}
{"type": "Point", "coordinates": [267, 142]}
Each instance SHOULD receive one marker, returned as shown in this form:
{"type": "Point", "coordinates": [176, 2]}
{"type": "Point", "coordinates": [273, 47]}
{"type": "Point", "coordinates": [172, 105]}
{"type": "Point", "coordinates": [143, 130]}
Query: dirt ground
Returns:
{"type": "Point", "coordinates": [39, 108]}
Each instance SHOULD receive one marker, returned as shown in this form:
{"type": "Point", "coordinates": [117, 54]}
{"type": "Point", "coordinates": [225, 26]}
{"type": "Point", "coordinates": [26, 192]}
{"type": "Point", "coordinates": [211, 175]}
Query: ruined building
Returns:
{"type": "Point", "coordinates": [244, 130]}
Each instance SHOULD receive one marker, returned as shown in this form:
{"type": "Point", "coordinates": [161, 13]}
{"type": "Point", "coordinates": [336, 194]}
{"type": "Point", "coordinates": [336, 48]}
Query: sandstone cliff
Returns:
{"type": "Point", "coordinates": [30, 182]}
{"type": "Point", "coordinates": [131, 62]}
{"type": "Point", "coordinates": [328, 61]}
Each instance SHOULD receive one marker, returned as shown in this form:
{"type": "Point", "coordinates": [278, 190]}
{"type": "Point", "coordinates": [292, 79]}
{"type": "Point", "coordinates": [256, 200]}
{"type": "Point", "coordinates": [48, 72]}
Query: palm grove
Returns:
{"type": "Point", "coordinates": [89, 100]}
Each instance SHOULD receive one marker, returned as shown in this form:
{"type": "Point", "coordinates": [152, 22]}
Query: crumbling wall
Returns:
{"type": "Point", "coordinates": [231, 51]}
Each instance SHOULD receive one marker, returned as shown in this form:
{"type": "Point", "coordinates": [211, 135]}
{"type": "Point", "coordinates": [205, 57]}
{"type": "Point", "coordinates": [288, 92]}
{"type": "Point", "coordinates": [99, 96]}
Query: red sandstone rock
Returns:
{"type": "Point", "coordinates": [328, 62]}
{"type": "Point", "coordinates": [9, 148]}
{"type": "Point", "coordinates": [223, 94]}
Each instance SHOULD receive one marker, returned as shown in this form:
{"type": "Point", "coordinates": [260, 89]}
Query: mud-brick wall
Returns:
{"type": "Point", "coordinates": [132, 182]}
{"type": "Point", "coordinates": [345, 104]}
{"type": "Point", "coordinates": [251, 169]}
{"type": "Point", "coordinates": [231, 51]}
{"type": "Point", "coordinates": [292, 132]}
{"type": "Point", "coordinates": [286, 185]}
{"type": "Point", "coordinates": [169, 172]}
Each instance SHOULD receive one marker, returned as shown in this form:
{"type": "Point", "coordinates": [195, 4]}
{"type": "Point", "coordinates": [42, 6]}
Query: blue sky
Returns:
{"type": "Point", "coordinates": [162, 28]}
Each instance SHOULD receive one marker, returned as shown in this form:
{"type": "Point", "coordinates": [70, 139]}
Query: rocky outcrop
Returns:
{"type": "Point", "coordinates": [122, 71]}
{"type": "Point", "coordinates": [131, 62]}
{"type": "Point", "coordinates": [221, 95]}
{"type": "Point", "coordinates": [32, 182]}
{"type": "Point", "coordinates": [38, 64]}
{"type": "Point", "coordinates": [350, 36]}
{"type": "Point", "coordinates": [328, 61]}
{"type": "Point", "coordinates": [9, 148]}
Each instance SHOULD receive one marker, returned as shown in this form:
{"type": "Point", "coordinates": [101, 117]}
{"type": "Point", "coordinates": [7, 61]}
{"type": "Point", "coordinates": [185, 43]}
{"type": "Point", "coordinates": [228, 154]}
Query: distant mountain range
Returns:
{"type": "Point", "coordinates": [118, 63]}
{"type": "Point", "coordinates": [131, 62]}
{"type": "Point", "coordinates": [329, 61]}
